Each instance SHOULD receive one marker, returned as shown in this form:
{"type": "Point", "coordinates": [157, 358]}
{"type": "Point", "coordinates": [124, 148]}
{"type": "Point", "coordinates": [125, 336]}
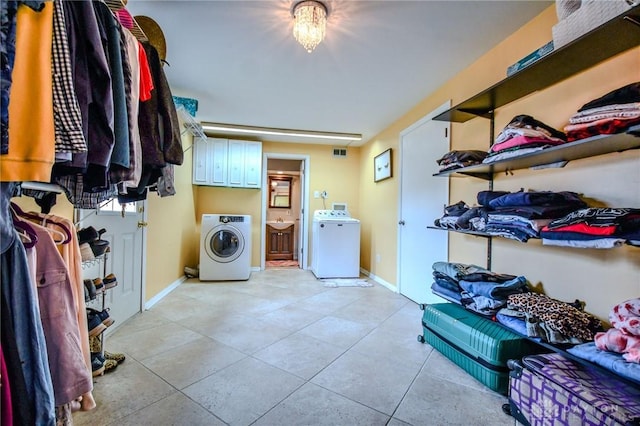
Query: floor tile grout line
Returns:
{"type": "Point", "coordinates": [376, 326]}
{"type": "Point", "coordinates": [420, 370]}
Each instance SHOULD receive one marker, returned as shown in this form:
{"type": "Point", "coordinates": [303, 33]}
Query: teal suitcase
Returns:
{"type": "Point", "coordinates": [479, 346]}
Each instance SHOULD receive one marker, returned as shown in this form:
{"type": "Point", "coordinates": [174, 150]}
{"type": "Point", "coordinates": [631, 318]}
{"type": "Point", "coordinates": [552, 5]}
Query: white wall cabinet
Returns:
{"type": "Point", "coordinates": [227, 162]}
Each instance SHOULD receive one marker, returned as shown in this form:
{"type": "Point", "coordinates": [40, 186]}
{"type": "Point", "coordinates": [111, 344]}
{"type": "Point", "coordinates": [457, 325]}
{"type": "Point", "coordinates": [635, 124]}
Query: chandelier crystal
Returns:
{"type": "Point", "coordinates": [310, 23]}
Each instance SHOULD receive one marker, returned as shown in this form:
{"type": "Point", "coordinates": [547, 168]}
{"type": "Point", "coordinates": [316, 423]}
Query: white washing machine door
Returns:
{"type": "Point", "coordinates": [224, 243]}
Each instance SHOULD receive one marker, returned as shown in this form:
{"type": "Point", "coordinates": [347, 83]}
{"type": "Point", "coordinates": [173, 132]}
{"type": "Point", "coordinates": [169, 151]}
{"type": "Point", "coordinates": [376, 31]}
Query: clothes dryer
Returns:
{"type": "Point", "coordinates": [225, 247]}
{"type": "Point", "coordinates": [336, 244]}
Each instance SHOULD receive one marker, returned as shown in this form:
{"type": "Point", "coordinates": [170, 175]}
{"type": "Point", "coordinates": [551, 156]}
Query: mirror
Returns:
{"type": "Point", "coordinates": [280, 195]}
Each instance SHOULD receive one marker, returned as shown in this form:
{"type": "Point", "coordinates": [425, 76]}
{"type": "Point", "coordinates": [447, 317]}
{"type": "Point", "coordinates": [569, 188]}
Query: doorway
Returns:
{"type": "Point", "coordinates": [422, 198]}
{"type": "Point", "coordinates": [285, 220]}
{"type": "Point", "coordinates": [125, 232]}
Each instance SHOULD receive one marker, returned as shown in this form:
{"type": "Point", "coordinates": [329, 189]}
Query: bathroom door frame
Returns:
{"type": "Point", "coordinates": [303, 225]}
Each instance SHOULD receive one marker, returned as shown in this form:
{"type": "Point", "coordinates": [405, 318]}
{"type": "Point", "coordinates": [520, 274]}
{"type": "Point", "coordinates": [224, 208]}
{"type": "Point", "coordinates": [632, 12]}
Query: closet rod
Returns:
{"type": "Point", "coordinates": [42, 186]}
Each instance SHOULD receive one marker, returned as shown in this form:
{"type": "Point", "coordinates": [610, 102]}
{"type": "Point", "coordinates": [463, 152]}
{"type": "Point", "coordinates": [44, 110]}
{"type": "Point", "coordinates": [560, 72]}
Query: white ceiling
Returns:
{"type": "Point", "coordinates": [379, 59]}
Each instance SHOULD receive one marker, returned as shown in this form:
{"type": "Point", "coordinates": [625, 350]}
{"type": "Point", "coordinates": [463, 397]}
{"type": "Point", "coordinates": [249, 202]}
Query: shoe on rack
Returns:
{"type": "Point", "coordinates": [87, 298]}
{"type": "Point", "coordinates": [91, 289]}
{"type": "Point", "coordinates": [114, 356]}
{"type": "Point", "coordinates": [86, 252]}
{"type": "Point", "coordinates": [104, 316]}
{"type": "Point", "coordinates": [88, 234]}
{"type": "Point", "coordinates": [99, 285]}
{"type": "Point", "coordinates": [99, 247]}
{"type": "Point", "coordinates": [97, 365]}
{"type": "Point", "coordinates": [95, 325]}
{"type": "Point", "coordinates": [110, 281]}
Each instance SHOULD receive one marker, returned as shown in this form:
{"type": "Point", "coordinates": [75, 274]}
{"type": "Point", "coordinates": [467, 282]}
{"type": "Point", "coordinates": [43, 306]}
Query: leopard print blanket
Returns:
{"type": "Point", "coordinates": [560, 316]}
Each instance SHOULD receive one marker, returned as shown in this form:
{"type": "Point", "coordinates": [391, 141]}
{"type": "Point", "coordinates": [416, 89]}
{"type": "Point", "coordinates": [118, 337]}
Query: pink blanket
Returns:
{"type": "Point", "coordinates": [624, 337]}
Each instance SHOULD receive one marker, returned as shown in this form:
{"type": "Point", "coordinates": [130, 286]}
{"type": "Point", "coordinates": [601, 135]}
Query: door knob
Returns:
{"type": "Point", "coordinates": [142, 224]}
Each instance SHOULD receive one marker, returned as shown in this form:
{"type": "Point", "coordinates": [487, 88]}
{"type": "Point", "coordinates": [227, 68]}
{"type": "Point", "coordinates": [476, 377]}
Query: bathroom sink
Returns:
{"type": "Point", "coordinates": [279, 225]}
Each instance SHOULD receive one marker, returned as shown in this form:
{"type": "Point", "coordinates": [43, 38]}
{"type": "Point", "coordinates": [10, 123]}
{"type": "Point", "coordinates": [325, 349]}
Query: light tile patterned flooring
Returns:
{"type": "Point", "coordinates": [283, 349]}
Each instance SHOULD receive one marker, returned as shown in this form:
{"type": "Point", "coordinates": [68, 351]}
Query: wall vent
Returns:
{"type": "Point", "coordinates": [340, 152]}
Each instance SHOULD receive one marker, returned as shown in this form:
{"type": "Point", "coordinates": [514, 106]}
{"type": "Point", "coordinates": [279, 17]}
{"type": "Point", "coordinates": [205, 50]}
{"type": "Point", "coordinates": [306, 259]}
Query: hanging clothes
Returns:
{"type": "Point", "coordinates": [133, 95]}
{"type": "Point", "coordinates": [69, 372]}
{"type": "Point", "coordinates": [21, 320]}
{"type": "Point", "coordinates": [110, 34]}
{"type": "Point", "coordinates": [66, 110]}
{"type": "Point", "coordinates": [31, 148]}
{"type": "Point", "coordinates": [72, 258]}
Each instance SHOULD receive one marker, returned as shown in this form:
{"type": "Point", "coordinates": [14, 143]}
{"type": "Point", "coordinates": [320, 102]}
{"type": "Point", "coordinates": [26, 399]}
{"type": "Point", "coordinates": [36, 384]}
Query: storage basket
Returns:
{"type": "Point", "coordinates": [591, 14]}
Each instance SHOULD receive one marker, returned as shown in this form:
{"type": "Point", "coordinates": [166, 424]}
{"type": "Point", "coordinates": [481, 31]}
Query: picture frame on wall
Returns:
{"type": "Point", "coordinates": [382, 166]}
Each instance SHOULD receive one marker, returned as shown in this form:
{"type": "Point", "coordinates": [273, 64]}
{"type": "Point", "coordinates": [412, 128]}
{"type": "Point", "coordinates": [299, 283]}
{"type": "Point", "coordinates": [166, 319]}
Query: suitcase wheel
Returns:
{"type": "Point", "coordinates": [420, 338]}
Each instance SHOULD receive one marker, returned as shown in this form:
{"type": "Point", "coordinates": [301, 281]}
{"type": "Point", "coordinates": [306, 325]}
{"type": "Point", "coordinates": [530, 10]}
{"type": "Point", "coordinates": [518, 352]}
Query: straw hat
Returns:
{"type": "Point", "coordinates": [154, 34]}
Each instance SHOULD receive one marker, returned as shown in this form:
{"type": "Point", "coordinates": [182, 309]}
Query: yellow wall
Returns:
{"type": "Point", "coordinates": [63, 207]}
{"type": "Point", "coordinates": [338, 176]}
{"type": "Point", "coordinates": [601, 278]}
{"type": "Point", "coordinates": [172, 237]}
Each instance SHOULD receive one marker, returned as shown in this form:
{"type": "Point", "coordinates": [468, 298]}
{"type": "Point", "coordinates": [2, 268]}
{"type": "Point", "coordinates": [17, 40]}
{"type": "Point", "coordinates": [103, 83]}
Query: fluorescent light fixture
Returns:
{"type": "Point", "coordinates": [254, 130]}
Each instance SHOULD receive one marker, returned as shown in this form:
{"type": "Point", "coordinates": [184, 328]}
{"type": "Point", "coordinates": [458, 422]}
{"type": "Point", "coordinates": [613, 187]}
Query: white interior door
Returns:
{"type": "Point", "coordinates": [422, 198]}
{"type": "Point", "coordinates": [125, 259]}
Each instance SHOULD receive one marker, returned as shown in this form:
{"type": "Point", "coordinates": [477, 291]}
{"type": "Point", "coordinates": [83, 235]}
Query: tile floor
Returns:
{"type": "Point", "coordinates": [283, 349]}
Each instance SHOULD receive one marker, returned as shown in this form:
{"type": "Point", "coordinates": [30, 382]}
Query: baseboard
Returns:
{"type": "Point", "coordinates": [379, 280]}
{"type": "Point", "coordinates": [158, 297]}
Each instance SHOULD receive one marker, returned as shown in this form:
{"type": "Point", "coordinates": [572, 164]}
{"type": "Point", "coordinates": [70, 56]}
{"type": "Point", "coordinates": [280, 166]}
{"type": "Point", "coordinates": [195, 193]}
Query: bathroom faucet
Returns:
{"type": "Point", "coordinates": [280, 219]}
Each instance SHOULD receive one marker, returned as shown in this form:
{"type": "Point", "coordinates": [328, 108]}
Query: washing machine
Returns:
{"type": "Point", "coordinates": [225, 247]}
{"type": "Point", "coordinates": [336, 244]}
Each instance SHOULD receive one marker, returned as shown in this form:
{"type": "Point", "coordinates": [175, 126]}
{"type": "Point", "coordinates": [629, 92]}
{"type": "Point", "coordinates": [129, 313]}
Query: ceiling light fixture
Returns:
{"type": "Point", "coordinates": [310, 23]}
{"type": "Point", "coordinates": [254, 130]}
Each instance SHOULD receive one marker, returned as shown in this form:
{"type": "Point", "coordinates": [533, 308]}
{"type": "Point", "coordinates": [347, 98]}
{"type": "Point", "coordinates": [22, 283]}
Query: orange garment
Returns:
{"type": "Point", "coordinates": [31, 129]}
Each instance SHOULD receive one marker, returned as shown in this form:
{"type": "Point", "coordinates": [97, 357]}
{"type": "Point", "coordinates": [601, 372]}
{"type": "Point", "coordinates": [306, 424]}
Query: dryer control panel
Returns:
{"type": "Point", "coordinates": [228, 219]}
{"type": "Point", "coordinates": [331, 214]}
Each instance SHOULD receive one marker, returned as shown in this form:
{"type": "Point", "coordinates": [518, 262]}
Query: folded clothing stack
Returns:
{"type": "Point", "coordinates": [457, 159]}
{"type": "Point", "coordinates": [523, 135]}
{"type": "Point", "coordinates": [475, 287]}
{"type": "Point", "coordinates": [521, 215]}
{"type": "Point", "coordinates": [602, 227]}
{"type": "Point", "coordinates": [612, 113]}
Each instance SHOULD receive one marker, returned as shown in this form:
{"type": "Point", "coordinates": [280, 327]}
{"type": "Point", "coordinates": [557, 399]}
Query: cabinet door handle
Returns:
{"type": "Point", "coordinates": [401, 222]}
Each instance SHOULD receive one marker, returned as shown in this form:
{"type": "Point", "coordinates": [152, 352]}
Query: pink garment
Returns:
{"type": "Point", "coordinates": [614, 340]}
{"type": "Point", "coordinates": [626, 317]}
{"type": "Point", "coordinates": [69, 373]}
{"type": "Point", "coordinates": [125, 18]}
{"type": "Point", "coordinates": [519, 141]}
